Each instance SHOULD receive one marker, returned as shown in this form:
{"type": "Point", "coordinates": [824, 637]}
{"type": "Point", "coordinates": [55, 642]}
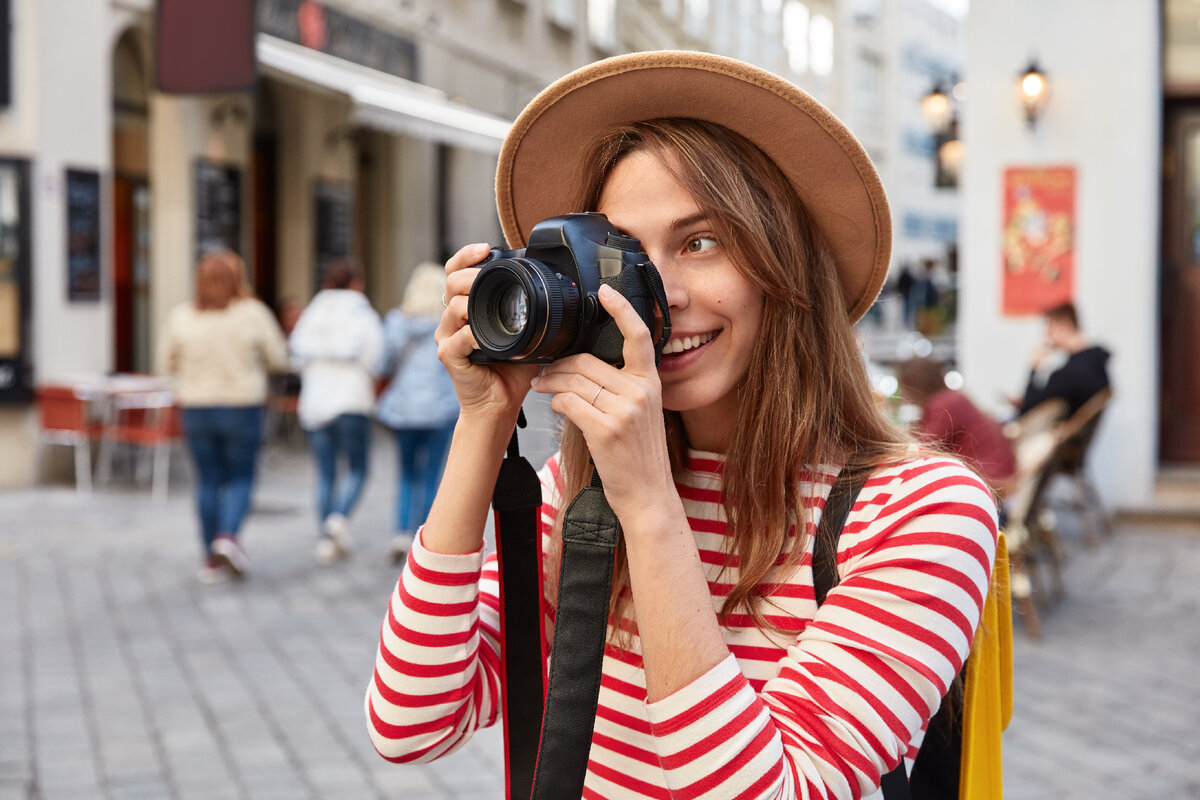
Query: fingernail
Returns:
{"type": "Point", "coordinates": [482, 248]}
{"type": "Point", "coordinates": [536, 380]}
{"type": "Point", "coordinates": [606, 290]}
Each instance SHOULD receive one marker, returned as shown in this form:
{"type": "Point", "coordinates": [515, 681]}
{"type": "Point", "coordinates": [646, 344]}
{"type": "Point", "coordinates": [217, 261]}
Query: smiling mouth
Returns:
{"type": "Point", "coordinates": [685, 343]}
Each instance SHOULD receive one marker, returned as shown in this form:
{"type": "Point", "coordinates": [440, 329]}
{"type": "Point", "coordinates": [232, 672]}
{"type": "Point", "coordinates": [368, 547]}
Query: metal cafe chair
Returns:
{"type": "Point", "coordinates": [1078, 433]}
{"type": "Point", "coordinates": [1025, 529]}
{"type": "Point", "coordinates": [148, 422]}
{"type": "Point", "coordinates": [1033, 538]}
{"type": "Point", "coordinates": [1045, 416]}
{"type": "Point", "coordinates": [64, 418]}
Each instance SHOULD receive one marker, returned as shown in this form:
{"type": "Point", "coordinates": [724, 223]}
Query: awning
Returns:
{"type": "Point", "coordinates": [383, 101]}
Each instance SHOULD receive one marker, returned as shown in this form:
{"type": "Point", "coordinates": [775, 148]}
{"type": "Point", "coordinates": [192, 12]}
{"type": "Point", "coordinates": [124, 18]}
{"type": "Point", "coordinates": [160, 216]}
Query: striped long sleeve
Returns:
{"type": "Point", "coordinates": [821, 708]}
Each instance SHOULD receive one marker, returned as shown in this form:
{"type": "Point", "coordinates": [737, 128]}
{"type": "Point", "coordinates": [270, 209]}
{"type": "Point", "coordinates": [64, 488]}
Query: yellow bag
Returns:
{"type": "Point", "coordinates": [987, 697]}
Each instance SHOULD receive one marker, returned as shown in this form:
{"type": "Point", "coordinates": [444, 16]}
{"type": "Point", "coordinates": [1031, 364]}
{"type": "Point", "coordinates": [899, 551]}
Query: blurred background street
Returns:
{"type": "Point", "coordinates": [1034, 154]}
{"type": "Point", "coordinates": [123, 678]}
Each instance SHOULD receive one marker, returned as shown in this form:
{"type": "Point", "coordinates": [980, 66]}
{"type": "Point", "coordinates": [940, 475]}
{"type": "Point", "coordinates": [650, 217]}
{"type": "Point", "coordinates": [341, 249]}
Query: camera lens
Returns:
{"type": "Point", "coordinates": [520, 309]}
{"type": "Point", "coordinates": [514, 309]}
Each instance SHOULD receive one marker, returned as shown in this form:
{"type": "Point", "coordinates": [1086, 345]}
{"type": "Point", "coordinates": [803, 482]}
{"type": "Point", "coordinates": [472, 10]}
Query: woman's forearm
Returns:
{"type": "Point", "coordinates": [677, 625]}
{"type": "Point", "coordinates": [459, 513]}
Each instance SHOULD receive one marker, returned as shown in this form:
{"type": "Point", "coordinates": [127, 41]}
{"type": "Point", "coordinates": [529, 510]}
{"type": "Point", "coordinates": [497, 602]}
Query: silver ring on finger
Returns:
{"type": "Point", "coordinates": [599, 389]}
{"type": "Point", "coordinates": [443, 299]}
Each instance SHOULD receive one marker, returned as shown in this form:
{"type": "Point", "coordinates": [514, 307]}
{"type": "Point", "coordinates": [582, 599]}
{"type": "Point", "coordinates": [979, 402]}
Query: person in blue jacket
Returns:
{"type": "Point", "coordinates": [419, 404]}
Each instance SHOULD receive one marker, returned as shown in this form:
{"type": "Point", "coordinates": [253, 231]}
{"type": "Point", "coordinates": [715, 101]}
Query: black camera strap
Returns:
{"type": "Point", "coordinates": [555, 767]}
{"type": "Point", "coordinates": [650, 275]}
{"type": "Point", "coordinates": [515, 503]}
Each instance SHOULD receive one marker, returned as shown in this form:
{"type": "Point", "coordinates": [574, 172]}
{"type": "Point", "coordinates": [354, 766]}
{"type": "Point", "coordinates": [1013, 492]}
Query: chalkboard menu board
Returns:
{"type": "Point", "coordinates": [83, 235]}
{"type": "Point", "coordinates": [333, 224]}
{"type": "Point", "coordinates": [218, 207]}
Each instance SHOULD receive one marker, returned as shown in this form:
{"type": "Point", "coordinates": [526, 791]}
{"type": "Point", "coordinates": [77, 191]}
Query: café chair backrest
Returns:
{"type": "Point", "coordinates": [1080, 429]}
{"type": "Point", "coordinates": [63, 419]}
{"type": "Point", "coordinates": [62, 411]}
{"type": "Point", "coordinates": [1045, 416]}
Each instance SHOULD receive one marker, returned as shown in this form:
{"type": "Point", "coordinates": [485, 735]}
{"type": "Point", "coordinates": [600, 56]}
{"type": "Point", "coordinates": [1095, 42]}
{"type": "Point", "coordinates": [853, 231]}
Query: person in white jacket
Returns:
{"type": "Point", "coordinates": [336, 346]}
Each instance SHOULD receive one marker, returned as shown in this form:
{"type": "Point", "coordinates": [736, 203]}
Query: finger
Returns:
{"type": "Point", "coordinates": [578, 410]}
{"type": "Point", "coordinates": [583, 372]}
{"type": "Point", "coordinates": [638, 350]}
{"type": "Point", "coordinates": [453, 318]}
{"type": "Point", "coordinates": [587, 389]}
{"type": "Point", "coordinates": [457, 346]}
{"type": "Point", "coordinates": [467, 256]}
{"type": "Point", "coordinates": [459, 282]}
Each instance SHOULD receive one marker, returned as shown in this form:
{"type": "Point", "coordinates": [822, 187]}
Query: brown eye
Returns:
{"type": "Point", "coordinates": [700, 244]}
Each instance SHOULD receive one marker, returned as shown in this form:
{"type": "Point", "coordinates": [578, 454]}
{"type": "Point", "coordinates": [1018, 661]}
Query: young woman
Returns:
{"type": "Point", "coordinates": [770, 230]}
{"type": "Point", "coordinates": [336, 344]}
{"type": "Point", "coordinates": [219, 349]}
{"type": "Point", "coordinates": [419, 405]}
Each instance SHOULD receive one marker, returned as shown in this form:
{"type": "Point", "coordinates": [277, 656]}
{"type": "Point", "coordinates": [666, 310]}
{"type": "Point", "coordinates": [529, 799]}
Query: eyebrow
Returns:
{"type": "Point", "coordinates": [687, 222]}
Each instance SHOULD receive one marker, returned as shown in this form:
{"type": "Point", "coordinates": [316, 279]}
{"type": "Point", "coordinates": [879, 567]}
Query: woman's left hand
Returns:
{"type": "Point", "coordinates": [619, 412]}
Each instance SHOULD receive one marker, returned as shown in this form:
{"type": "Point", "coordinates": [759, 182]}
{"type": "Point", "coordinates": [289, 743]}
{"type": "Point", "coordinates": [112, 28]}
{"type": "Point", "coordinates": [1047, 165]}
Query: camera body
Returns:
{"type": "Point", "coordinates": [540, 303]}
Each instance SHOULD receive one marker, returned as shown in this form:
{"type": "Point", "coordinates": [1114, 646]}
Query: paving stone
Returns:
{"type": "Point", "coordinates": [131, 680]}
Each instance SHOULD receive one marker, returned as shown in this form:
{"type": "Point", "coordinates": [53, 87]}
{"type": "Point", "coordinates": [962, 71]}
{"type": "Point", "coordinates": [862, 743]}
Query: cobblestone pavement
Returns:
{"type": "Point", "coordinates": [121, 677]}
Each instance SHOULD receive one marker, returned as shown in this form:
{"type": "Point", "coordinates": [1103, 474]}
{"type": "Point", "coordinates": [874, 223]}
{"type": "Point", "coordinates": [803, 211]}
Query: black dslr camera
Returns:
{"type": "Point", "coordinates": [540, 303]}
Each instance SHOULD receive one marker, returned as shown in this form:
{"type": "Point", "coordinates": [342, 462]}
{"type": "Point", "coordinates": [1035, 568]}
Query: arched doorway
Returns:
{"type": "Point", "coordinates": [131, 208]}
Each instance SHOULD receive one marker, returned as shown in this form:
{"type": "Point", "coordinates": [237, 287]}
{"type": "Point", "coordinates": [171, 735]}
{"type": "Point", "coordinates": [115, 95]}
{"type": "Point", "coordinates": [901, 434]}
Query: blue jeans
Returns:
{"type": "Point", "coordinates": [422, 454]}
{"type": "Point", "coordinates": [224, 443]}
{"type": "Point", "coordinates": [348, 435]}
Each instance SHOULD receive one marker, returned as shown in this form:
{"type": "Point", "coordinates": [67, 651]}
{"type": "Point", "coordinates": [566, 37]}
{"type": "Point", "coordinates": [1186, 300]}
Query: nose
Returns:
{"type": "Point", "coordinates": [673, 284]}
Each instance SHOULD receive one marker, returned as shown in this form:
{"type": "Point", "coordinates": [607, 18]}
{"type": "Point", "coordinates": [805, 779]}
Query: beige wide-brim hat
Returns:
{"type": "Point", "coordinates": [541, 161]}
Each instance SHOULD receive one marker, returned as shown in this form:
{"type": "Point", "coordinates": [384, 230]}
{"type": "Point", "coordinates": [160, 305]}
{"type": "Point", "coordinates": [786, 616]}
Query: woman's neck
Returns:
{"type": "Point", "coordinates": [709, 429]}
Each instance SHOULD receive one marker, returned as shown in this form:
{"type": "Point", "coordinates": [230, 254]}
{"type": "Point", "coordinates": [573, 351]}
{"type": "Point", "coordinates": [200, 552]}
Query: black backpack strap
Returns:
{"type": "Point", "coordinates": [824, 568]}
{"type": "Point", "coordinates": [833, 519]}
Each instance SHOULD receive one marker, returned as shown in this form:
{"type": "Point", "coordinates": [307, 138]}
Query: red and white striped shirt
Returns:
{"type": "Point", "coordinates": [821, 711]}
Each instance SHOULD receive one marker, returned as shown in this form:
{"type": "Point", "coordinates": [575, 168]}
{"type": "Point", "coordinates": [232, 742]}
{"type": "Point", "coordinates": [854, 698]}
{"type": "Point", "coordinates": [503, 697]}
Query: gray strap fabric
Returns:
{"type": "Point", "coordinates": [590, 535]}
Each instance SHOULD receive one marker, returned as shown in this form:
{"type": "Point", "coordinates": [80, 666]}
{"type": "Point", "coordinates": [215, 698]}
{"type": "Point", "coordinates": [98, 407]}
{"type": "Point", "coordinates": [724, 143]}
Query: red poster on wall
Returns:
{"type": "Point", "coordinates": [1038, 260]}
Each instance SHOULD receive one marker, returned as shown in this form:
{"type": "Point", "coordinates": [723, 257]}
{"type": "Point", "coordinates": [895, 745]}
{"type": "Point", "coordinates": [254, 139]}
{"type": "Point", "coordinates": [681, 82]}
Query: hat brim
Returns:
{"type": "Point", "coordinates": [540, 163]}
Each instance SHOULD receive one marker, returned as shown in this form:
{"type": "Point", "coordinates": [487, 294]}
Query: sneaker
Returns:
{"type": "Point", "coordinates": [329, 551]}
{"type": "Point", "coordinates": [211, 572]}
{"type": "Point", "coordinates": [227, 551]}
{"type": "Point", "coordinates": [337, 527]}
{"type": "Point", "coordinates": [402, 542]}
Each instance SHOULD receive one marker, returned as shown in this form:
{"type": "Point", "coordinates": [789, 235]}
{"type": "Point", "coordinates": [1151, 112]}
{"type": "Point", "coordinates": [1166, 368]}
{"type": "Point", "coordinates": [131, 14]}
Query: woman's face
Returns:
{"type": "Point", "coordinates": [715, 310]}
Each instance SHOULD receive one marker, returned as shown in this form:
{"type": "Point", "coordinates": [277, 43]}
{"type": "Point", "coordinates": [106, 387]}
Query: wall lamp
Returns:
{"type": "Point", "coordinates": [938, 110]}
{"type": "Point", "coordinates": [1034, 89]}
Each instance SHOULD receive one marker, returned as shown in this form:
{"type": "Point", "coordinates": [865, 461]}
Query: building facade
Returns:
{"type": "Point", "coordinates": [1098, 148]}
{"type": "Point", "coordinates": [371, 130]}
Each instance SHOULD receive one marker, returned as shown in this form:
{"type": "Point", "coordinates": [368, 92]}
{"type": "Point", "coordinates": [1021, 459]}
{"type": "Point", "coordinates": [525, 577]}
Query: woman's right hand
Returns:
{"type": "Point", "coordinates": [485, 391]}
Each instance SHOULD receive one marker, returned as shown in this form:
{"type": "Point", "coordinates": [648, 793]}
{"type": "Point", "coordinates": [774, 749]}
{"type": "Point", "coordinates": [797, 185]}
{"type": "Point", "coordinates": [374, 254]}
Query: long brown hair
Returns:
{"type": "Point", "coordinates": [805, 399]}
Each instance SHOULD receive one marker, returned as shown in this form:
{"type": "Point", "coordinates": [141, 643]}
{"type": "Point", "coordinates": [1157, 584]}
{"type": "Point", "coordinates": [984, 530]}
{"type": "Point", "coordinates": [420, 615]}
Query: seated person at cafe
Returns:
{"type": "Point", "coordinates": [1082, 375]}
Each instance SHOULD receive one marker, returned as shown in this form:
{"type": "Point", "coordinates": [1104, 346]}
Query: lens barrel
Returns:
{"type": "Point", "coordinates": [521, 310]}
